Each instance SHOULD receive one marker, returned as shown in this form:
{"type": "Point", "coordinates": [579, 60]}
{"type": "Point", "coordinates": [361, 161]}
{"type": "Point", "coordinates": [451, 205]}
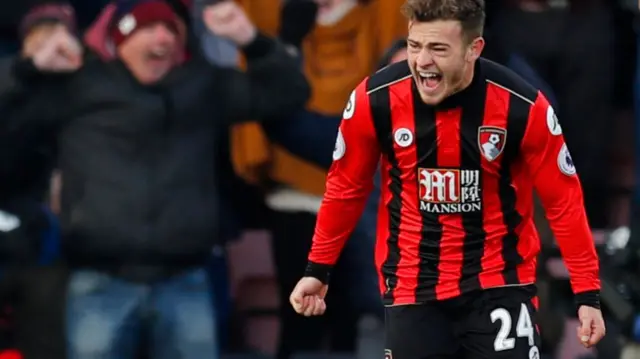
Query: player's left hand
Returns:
{"type": "Point", "coordinates": [227, 19]}
{"type": "Point", "coordinates": [592, 327]}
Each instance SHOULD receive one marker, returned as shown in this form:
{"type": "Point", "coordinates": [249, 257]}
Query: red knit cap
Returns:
{"type": "Point", "coordinates": [144, 14]}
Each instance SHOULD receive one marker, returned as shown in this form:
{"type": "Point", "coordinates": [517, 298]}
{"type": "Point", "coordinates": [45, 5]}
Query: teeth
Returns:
{"type": "Point", "coordinates": [429, 75]}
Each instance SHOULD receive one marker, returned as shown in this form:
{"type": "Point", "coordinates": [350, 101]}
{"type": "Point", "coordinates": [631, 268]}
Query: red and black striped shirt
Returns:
{"type": "Point", "coordinates": [456, 208]}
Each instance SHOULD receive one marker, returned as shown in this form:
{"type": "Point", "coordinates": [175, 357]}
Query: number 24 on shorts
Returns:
{"type": "Point", "coordinates": [524, 328]}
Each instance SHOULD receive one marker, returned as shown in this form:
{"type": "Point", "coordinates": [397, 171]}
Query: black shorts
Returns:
{"type": "Point", "coordinates": [491, 324]}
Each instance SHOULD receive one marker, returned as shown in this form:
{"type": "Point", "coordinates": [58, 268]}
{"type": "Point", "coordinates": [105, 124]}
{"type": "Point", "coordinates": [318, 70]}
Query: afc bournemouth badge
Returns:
{"type": "Point", "coordinates": [387, 354]}
{"type": "Point", "coordinates": [491, 141]}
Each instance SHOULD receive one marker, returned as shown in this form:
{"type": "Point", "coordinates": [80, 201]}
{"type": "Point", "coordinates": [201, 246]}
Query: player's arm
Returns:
{"type": "Point", "coordinates": [349, 182]}
{"type": "Point", "coordinates": [559, 189]}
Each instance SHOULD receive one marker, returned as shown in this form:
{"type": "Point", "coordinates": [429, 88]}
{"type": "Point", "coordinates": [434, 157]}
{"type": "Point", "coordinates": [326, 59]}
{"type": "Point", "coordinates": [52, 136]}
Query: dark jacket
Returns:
{"type": "Point", "coordinates": [26, 157]}
{"type": "Point", "coordinates": [139, 181]}
{"type": "Point", "coordinates": [25, 168]}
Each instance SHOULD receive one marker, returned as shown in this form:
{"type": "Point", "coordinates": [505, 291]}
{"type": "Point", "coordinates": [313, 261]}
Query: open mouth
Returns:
{"type": "Point", "coordinates": [159, 55]}
{"type": "Point", "coordinates": [430, 80]}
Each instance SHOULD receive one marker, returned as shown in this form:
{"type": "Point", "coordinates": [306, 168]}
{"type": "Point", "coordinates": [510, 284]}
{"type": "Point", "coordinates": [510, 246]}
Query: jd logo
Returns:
{"type": "Point", "coordinates": [403, 137]}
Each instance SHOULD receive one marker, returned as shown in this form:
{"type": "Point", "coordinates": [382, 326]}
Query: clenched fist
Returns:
{"type": "Point", "coordinates": [227, 19]}
{"type": "Point", "coordinates": [57, 50]}
{"type": "Point", "coordinates": [307, 297]}
{"type": "Point", "coordinates": [592, 327]}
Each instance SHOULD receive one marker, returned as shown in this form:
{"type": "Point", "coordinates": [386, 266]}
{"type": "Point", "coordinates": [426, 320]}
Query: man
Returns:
{"type": "Point", "coordinates": [32, 280]}
{"type": "Point", "coordinates": [457, 248]}
{"type": "Point", "coordinates": [136, 139]}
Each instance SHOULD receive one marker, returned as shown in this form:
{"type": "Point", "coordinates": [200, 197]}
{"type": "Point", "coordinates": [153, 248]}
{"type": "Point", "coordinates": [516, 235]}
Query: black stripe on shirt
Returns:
{"type": "Point", "coordinates": [517, 119]}
{"type": "Point", "coordinates": [427, 157]}
{"type": "Point", "coordinates": [381, 113]}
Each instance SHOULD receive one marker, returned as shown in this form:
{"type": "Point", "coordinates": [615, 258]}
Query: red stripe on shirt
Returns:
{"type": "Point", "coordinates": [451, 256]}
{"type": "Point", "coordinates": [496, 115]}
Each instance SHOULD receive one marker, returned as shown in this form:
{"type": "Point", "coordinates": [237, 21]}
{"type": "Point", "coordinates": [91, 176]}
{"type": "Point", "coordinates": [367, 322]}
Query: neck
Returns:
{"type": "Point", "coordinates": [467, 79]}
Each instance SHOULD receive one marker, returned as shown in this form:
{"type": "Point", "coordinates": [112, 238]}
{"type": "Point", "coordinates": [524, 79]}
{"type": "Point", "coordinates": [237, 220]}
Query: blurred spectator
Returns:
{"type": "Point", "coordinates": [222, 52]}
{"type": "Point", "coordinates": [233, 193]}
{"type": "Point", "coordinates": [32, 281]}
{"type": "Point", "coordinates": [636, 104]}
{"type": "Point", "coordinates": [340, 51]}
{"type": "Point", "coordinates": [341, 42]}
{"type": "Point", "coordinates": [550, 40]}
{"type": "Point", "coordinates": [395, 53]}
{"type": "Point", "coordinates": [218, 50]}
{"type": "Point", "coordinates": [135, 147]}
{"type": "Point", "coordinates": [299, 147]}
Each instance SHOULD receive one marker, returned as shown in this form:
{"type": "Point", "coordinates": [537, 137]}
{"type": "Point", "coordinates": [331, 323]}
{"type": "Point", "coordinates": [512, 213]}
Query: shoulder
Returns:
{"type": "Point", "coordinates": [93, 65]}
{"type": "Point", "coordinates": [524, 105]}
{"type": "Point", "coordinates": [375, 88]}
{"type": "Point", "coordinates": [364, 96]}
{"type": "Point", "coordinates": [388, 76]}
{"type": "Point", "coordinates": [503, 78]}
{"type": "Point", "coordinates": [93, 62]}
{"type": "Point", "coordinates": [513, 95]}
{"type": "Point", "coordinates": [529, 113]}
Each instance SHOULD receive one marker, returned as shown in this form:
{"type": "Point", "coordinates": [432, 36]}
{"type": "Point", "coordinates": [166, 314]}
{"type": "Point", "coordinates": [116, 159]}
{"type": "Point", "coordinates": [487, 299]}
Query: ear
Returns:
{"type": "Point", "coordinates": [475, 49]}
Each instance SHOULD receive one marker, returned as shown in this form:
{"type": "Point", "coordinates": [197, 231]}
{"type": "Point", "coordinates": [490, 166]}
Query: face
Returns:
{"type": "Point", "coordinates": [150, 52]}
{"type": "Point", "coordinates": [440, 58]}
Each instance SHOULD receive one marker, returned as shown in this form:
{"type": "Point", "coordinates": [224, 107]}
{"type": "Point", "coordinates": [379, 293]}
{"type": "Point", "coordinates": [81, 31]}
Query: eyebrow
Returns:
{"type": "Point", "coordinates": [431, 44]}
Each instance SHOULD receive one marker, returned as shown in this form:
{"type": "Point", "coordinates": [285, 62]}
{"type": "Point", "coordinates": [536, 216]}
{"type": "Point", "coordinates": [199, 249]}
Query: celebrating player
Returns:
{"type": "Point", "coordinates": [463, 142]}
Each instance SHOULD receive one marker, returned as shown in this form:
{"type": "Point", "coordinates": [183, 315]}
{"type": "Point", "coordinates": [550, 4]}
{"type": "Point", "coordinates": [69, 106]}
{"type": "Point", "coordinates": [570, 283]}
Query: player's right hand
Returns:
{"type": "Point", "coordinates": [592, 327]}
{"type": "Point", "coordinates": [307, 297]}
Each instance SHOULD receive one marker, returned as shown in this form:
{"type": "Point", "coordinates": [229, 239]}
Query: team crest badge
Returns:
{"type": "Point", "coordinates": [491, 141]}
{"type": "Point", "coordinates": [387, 354]}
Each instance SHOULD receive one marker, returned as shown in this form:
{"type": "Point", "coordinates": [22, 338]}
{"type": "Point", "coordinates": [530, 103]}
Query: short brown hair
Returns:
{"type": "Point", "coordinates": [470, 13]}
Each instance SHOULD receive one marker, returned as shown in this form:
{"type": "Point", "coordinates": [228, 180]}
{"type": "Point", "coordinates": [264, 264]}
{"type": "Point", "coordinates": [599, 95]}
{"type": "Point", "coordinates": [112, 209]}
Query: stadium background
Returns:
{"type": "Point", "coordinates": [582, 53]}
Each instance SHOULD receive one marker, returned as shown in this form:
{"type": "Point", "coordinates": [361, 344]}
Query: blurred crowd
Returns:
{"type": "Point", "coordinates": [114, 244]}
